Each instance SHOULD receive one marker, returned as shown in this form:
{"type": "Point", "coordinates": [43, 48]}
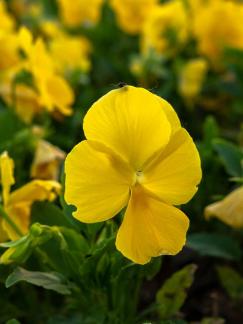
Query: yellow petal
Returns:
{"type": "Point", "coordinates": [170, 114]}
{"type": "Point", "coordinates": [97, 183]}
{"type": "Point", "coordinates": [174, 174]}
{"type": "Point", "coordinates": [25, 40]}
{"type": "Point", "coordinates": [3, 234]}
{"type": "Point", "coordinates": [131, 122]}
{"type": "Point", "coordinates": [6, 175]}
{"type": "Point", "coordinates": [229, 210]}
{"type": "Point", "coordinates": [47, 161]}
{"type": "Point", "coordinates": [20, 202]}
{"type": "Point", "coordinates": [150, 228]}
{"type": "Point", "coordinates": [36, 190]}
{"type": "Point", "coordinates": [20, 215]}
{"type": "Point", "coordinates": [55, 92]}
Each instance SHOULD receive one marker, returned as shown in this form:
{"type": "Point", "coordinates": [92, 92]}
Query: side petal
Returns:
{"type": "Point", "coordinates": [35, 190]}
{"type": "Point", "coordinates": [229, 210]}
{"type": "Point", "coordinates": [131, 122]}
{"type": "Point", "coordinates": [150, 228]}
{"type": "Point", "coordinates": [97, 182]}
{"type": "Point", "coordinates": [174, 174]}
{"type": "Point", "coordinates": [170, 114]}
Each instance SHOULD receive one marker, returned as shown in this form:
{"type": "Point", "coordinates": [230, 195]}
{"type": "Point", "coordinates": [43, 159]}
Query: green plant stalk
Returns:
{"type": "Point", "coordinates": [9, 221]}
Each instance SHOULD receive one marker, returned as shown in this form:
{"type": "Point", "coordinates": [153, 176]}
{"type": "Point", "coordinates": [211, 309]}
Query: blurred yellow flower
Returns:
{"type": "Point", "coordinates": [54, 91]}
{"type": "Point", "coordinates": [136, 154]}
{"type": "Point", "coordinates": [22, 98]}
{"type": "Point", "coordinates": [78, 12]}
{"type": "Point", "coordinates": [191, 78]}
{"type": "Point", "coordinates": [8, 50]}
{"type": "Point", "coordinates": [17, 204]}
{"type": "Point", "coordinates": [218, 25]}
{"type": "Point", "coordinates": [47, 160]}
{"type": "Point", "coordinates": [70, 52]}
{"type": "Point", "coordinates": [166, 28]}
{"type": "Point", "coordinates": [229, 210]}
{"type": "Point", "coordinates": [7, 22]}
{"type": "Point", "coordinates": [131, 14]}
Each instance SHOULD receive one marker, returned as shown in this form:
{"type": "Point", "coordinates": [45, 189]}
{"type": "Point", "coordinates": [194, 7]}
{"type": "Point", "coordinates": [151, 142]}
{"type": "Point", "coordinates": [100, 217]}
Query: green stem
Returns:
{"type": "Point", "coordinates": [9, 221]}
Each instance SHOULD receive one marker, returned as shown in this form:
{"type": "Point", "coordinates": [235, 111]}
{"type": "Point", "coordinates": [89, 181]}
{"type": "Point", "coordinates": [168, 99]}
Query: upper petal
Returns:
{"type": "Point", "coordinates": [150, 228]}
{"type": "Point", "coordinates": [131, 122]}
{"type": "Point", "coordinates": [174, 174]}
{"type": "Point", "coordinates": [97, 182]}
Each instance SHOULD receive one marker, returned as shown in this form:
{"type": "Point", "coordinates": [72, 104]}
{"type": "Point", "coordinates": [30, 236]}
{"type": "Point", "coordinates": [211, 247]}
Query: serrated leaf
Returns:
{"type": "Point", "coordinates": [217, 245]}
{"type": "Point", "coordinates": [52, 281]}
{"type": "Point", "coordinates": [173, 293]}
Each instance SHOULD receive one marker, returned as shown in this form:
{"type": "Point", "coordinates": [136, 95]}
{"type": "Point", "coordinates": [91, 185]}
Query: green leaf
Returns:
{"type": "Point", "coordinates": [217, 245]}
{"type": "Point", "coordinates": [152, 268]}
{"type": "Point", "coordinates": [47, 213]}
{"type": "Point", "coordinates": [231, 156]}
{"type": "Point", "coordinates": [13, 321]}
{"type": "Point", "coordinates": [212, 320]}
{"type": "Point", "coordinates": [232, 281]}
{"type": "Point", "coordinates": [52, 281]}
{"type": "Point", "coordinates": [173, 293]}
{"type": "Point", "coordinates": [210, 130]}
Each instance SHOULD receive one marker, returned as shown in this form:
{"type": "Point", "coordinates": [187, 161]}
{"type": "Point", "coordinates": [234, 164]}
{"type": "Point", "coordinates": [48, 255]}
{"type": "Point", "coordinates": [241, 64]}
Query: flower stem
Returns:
{"type": "Point", "coordinates": [9, 221]}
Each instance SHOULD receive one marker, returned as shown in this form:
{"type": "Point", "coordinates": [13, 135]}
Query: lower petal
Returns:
{"type": "Point", "coordinates": [150, 228]}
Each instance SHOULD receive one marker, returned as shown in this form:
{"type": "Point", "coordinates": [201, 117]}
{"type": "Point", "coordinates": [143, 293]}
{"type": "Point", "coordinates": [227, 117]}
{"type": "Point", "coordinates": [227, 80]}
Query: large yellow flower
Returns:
{"type": "Point", "coordinates": [17, 204]}
{"type": "Point", "coordinates": [136, 155]}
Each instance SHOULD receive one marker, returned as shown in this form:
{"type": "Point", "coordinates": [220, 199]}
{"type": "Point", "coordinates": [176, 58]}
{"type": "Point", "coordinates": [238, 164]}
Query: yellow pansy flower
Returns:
{"type": "Point", "coordinates": [47, 161]}
{"type": "Point", "coordinates": [17, 204]}
{"type": "Point", "coordinates": [131, 14]}
{"type": "Point", "coordinates": [229, 210]}
{"type": "Point", "coordinates": [212, 35]}
{"type": "Point", "coordinates": [191, 78]}
{"type": "Point", "coordinates": [78, 12]}
{"type": "Point", "coordinates": [166, 28]}
{"type": "Point", "coordinates": [136, 155]}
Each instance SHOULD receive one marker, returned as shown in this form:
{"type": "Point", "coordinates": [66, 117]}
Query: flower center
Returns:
{"type": "Point", "coordinates": [139, 176]}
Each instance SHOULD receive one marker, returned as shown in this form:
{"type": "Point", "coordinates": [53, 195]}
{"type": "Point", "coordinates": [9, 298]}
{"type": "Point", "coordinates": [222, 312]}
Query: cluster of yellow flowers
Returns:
{"type": "Point", "coordinates": [168, 26]}
{"type": "Point", "coordinates": [47, 62]}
